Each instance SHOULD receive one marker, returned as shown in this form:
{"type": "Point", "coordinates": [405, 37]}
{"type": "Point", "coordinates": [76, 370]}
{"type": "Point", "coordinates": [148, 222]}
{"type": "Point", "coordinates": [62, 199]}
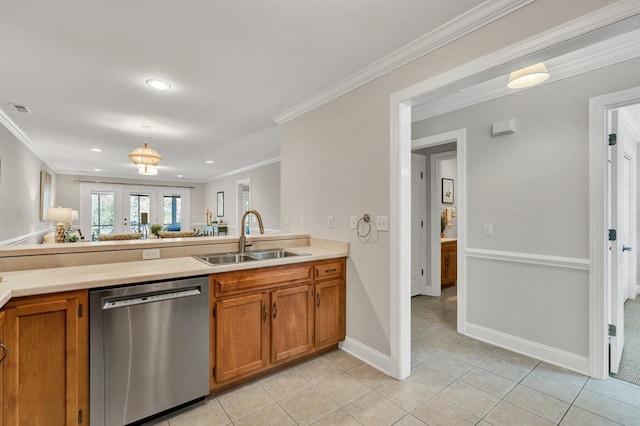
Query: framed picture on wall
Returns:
{"type": "Point", "coordinates": [45, 193]}
{"type": "Point", "coordinates": [220, 212]}
{"type": "Point", "coordinates": [447, 191]}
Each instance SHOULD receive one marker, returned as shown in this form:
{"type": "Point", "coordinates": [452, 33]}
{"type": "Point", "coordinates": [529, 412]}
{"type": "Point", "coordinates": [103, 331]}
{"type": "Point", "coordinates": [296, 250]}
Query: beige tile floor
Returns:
{"type": "Point", "coordinates": [455, 381]}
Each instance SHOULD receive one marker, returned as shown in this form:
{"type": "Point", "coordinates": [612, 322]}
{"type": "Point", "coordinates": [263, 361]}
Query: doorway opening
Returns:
{"type": "Point", "coordinates": [243, 197]}
{"type": "Point", "coordinates": [434, 216]}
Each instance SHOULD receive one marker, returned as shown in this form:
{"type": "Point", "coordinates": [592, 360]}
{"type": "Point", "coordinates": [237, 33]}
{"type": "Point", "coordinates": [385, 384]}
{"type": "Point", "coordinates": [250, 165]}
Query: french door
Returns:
{"type": "Point", "coordinates": [114, 209]}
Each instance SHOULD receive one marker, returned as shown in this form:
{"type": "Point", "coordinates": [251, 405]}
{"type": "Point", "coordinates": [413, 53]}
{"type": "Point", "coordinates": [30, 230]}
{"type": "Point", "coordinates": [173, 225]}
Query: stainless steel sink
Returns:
{"type": "Point", "coordinates": [273, 254]}
{"type": "Point", "coordinates": [223, 259]}
{"type": "Point", "coordinates": [226, 258]}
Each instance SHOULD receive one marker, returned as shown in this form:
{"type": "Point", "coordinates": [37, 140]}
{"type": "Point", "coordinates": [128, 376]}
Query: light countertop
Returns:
{"type": "Point", "coordinates": [53, 280]}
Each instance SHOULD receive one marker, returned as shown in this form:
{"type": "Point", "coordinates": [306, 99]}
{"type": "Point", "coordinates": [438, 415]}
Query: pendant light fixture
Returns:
{"type": "Point", "coordinates": [146, 158]}
{"type": "Point", "coordinates": [529, 76]}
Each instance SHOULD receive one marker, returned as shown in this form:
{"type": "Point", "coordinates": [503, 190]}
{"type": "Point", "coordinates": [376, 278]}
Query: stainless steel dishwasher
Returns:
{"type": "Point", "coordinates": [149, 349]}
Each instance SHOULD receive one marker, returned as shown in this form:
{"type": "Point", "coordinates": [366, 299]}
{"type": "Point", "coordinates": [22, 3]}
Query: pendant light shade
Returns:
{"type": "Point", "coordinates": [146, 158]}
{"type": "Point", "coordinates": [529, 76]}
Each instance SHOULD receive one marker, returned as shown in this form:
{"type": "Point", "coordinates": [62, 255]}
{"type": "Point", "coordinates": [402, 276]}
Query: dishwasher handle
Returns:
{"type": "Point", "coordinates": [140, 299]}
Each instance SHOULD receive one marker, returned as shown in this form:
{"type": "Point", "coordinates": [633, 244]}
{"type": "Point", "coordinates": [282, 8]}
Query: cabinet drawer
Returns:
{"type": "Point", "coordinates": [256, 279]}
{"type": "Point", "coordinates": [331, 269]}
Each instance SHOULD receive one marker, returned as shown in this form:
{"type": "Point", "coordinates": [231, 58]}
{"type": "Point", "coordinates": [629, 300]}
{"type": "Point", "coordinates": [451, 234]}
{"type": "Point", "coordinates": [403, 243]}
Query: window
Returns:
{"type": "Point", "coordinates": [102, 214]}
{"type": "Point", "coordinates": [138, 204]}
{"type": "Point", "coordinates": [172, 212]}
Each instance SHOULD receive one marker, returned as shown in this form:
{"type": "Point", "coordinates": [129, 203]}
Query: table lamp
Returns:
{"type": "Point", "coordinates": [61, 216]}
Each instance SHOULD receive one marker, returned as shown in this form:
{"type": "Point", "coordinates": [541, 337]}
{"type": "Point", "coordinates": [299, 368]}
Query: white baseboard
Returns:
{"type": "Point", "coordinates": [370, 356]}
{"type": "Point", "coordinates": [430, 291]}
{"type": "Point", "coordinates": [545, 353]}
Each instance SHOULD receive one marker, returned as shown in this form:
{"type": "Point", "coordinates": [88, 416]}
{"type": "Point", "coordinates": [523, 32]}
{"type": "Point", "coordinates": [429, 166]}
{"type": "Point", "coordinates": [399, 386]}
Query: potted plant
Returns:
{"type": "Point", "coordinates": [155, 229]}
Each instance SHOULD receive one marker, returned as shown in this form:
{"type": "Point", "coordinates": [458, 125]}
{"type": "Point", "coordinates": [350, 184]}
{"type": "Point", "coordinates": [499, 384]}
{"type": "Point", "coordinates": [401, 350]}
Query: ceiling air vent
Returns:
{"type": "Point", "coordinates": [21, 108]}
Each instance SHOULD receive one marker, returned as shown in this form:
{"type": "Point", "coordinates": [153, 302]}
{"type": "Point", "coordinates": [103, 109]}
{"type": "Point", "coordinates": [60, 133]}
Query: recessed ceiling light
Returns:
{"type": "Point", "coordinates": [96, 150]}
{"type": "Point", "coordinates": [97, 170]}
{"type": "Point", "coordinates": [180, 176]}
{"type": "Point", "coordinates": [158, 84]}
{"type": "Point", "coordinates": [209, 161]}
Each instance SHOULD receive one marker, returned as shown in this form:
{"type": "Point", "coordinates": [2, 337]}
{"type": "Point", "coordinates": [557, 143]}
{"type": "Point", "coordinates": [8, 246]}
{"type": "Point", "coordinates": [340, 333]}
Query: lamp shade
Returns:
{"type": "Point", "coordinates": [529, 76]}
{"type": "Point", "coordinates": [145, 156]}
{"type": "Point", "coordinates": [58, 214]}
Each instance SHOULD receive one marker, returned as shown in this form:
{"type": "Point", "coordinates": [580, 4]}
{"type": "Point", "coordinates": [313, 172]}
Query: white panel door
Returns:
{"type": "Point", "coordinates": [619, 191]}
{"type": "Point", "coordinates": [418, 221]}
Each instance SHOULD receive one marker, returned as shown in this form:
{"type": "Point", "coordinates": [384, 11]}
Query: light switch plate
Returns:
{"type": "Point", "coordinates": [354, 222]}
{"type": "Point", "coordinates": [287, 219]}
{"type": "Point", "coordinates": [382, 223]}
{"type": "Point", "coordinates": [330, 222]}
{"type": "Point", "coordinates": [301, 220]}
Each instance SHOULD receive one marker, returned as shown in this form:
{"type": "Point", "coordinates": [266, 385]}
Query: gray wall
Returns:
{"type": "Point", "coordinates": [335, 161]}
{"type": "Point", "coordinates": [20, 191]}
{"type": "Point", "coordinates": [265, 196]}
{"type": "Point", "coordinates": [532, 185]}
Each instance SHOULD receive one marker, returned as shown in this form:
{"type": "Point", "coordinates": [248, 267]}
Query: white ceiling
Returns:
{"type": "Point", "coordinates": [234, 65]}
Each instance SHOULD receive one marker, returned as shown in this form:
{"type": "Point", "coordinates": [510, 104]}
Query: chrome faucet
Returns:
{"type": "Point", "coordinates": [243, 238]}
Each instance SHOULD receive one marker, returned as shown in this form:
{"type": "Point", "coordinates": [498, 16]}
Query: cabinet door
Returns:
{"type": "Point", "coordinates": [330, 310]}
{"type": "Point", "coordinates": [47, 343]}
{"type": "Point", "coordinates": [291, 322]}
{"type": "Point", "coordinates": [242, 335]}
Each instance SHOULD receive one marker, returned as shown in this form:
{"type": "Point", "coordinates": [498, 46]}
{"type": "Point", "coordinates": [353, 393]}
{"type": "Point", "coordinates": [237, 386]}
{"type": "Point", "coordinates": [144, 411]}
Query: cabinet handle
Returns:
{"type": "Point", "coordinates": [275, 310]}
{"type": "Point", "coordinates": [264, 312]}
{"type": "Point", "coordinates": [328, 271]}
{"type": "Point", "coordinates": [318, 300]}
{"type": "Point", "coordinates": [4, 352]}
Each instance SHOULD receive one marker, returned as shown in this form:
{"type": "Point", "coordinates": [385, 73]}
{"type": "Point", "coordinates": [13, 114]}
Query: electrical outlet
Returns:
{"type": "Point", "coordinates": [301, 220]}
{"type": "Point", "coordinates": [150, 254]}
{"type": "Point", "coordinates": [382, 223]}
{"type": "Point", "coordinates": [354, 222]}
{"type": "Point", "coordinates": [330, 222]}
{"type": "Point", "coordinates": [488, 229]}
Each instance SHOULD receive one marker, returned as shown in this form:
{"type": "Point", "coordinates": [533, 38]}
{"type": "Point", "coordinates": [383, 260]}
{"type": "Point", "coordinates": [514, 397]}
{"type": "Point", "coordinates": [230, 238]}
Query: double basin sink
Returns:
{"type": "Point", "coordinates": [225, 258]}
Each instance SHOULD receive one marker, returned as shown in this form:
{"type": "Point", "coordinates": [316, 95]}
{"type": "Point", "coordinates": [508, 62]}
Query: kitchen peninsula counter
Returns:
{"type": "Point", "coordinates": [66, 278]}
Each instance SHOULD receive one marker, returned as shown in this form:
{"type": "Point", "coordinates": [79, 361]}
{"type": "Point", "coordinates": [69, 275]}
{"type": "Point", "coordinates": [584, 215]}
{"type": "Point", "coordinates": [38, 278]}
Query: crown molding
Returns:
{"type": "Point", "coordinates": [246, 169]}
{"type": "Point", "coordinates": [603, 54]}
{"type": "Point", "coordinates": [483, 14]}
{"type": "Point", "coordinates": [11, 126]}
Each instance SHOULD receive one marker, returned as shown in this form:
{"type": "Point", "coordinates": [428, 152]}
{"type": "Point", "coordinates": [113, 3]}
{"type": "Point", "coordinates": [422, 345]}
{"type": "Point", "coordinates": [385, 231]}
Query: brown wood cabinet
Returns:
{"type": "Point", "coordinates": [47, 380]}
{"type": "Point", "coordinates": [448, 262]}
{"type": "Point", "coordinates": [265, 317]}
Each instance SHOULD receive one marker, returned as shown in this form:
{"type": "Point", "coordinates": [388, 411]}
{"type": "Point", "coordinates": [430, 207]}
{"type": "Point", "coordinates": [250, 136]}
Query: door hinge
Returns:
{"type": "Point", "coordinates": [612, 330]}
{"type": "Point", "coordinates": [214, 311]}
{"type": "Point", "coordinates": [612, 139]}
{"type": "Point", "coordinates": [612, 235]}
{"type": "Point", "coordinates": [80, 416]}
{"type": "Point", "coordinates": [422, 223]}
{"type": "Point", "coordinates": [422, 271]}
{"type": "Point", "coordinates": [421, 175]}
{"type": "Point", "coordinates": [80, 310]}
{"type": "Point", "coordinates": [214, 372]}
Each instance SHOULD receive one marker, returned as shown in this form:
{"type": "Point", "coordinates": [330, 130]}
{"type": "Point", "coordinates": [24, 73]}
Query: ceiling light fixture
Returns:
{"type": "Point", "coordinates": [158, 84]}
{"type": "Point", "coordinates": [529, 76]}
{"type": "Point", "coordinates": [209, 161]}
{"type": "Point", "coordinates": [146, 158]}
{"type": "Point", "coordinates": [95, 150]}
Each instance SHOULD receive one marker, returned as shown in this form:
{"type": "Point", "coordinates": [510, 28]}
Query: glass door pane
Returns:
{"type": "Point", "coordinates": [139, 211]}
{"type": "Point", "coordinates": [172, 212]}
{"type": "Point", "coordinates": [102, 214]}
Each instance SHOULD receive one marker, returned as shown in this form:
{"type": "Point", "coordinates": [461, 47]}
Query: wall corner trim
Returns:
{"type": "Point", "coordinates": [364, 353]}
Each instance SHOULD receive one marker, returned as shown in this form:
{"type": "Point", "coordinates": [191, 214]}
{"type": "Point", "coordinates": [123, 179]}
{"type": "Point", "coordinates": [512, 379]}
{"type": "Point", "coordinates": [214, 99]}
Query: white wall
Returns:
{"type": "Point", "coordinates": [335, 161]}
{"type": "Point", "coordinates": [265, 196]}
{"type": "Point", "coordinates": [20, 192]}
